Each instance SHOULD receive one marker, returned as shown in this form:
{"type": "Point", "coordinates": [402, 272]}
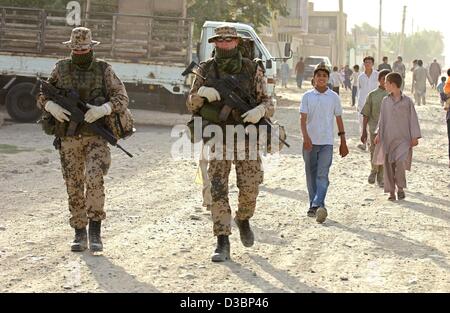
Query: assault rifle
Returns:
{"type": "Point", "coordinates": [232, 95]}
{"type": "Point", "coordinates": [77, 109]}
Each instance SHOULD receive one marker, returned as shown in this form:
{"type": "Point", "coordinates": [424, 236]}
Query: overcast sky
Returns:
{"type": "Point", "coordinates": [427, 14]}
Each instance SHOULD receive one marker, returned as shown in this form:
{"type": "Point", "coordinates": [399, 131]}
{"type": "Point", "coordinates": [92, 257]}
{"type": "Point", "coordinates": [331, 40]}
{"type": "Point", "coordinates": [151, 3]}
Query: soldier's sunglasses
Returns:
{"type": "Point", "coordinates": [228, 39]}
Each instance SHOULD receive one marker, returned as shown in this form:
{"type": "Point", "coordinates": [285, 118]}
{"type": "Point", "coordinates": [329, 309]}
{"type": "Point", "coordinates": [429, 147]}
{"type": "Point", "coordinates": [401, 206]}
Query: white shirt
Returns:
{"type": "Point", "coordinates": [321, 109]}
{"type": "Point", "coordinates": [365, 86]}
{"type": "Point", "coordinates": [336, 79]}
{"type": "Point", "coordinates": [355, 77]}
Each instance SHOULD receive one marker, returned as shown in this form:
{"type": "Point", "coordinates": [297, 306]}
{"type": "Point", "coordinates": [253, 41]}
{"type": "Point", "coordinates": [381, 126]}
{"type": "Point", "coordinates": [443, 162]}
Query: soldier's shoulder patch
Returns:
{"type": "Point", "coordinates": [102, 63]}
{"type": "Point", "coordinates": [63, 65]}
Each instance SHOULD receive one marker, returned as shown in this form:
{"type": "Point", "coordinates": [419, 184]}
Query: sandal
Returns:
{"type": "Point", "coordinates": [392, 198]}
{"type": "Point", "coordinates": [401, 195]}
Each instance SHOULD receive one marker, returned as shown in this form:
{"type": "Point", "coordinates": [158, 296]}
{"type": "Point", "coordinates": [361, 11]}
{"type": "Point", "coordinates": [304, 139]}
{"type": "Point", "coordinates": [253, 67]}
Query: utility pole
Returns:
{"type": "Point", "coordinates": [88, 10]}
{"type": "Point", "coordinates": [401, 47]}
{"type": "Point", "coordinates": [380, 31]}
{"type": "Point", "coordinates": [342, 35]}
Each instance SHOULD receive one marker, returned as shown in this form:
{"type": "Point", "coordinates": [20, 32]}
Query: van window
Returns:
{"type": "Point", "coordinates": [314, 61]}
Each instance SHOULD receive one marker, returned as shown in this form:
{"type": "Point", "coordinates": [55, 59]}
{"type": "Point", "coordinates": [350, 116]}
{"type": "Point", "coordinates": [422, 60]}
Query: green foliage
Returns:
{"type": "Point", "coordinates": [426, 45]}
{"type": "Point", "coordinates": [256, 13]}
{"type": "Point", "coordinates": [366, 29]}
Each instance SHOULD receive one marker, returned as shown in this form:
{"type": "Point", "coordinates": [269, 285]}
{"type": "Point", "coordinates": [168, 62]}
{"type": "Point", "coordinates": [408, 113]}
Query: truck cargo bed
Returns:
{"type": "Point", "coordinates": [123, 37]}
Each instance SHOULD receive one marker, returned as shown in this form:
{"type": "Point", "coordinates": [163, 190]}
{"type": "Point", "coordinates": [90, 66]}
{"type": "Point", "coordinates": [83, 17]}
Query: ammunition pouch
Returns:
{"type": "Point", "coordinates": [121, 124]}
{"type": "Point", "coordinates": [218, 113]}
{"type": "Point", "coordinates": [48, 123]}
{"type": "Point", "coordinates": [51, 126]}
{"type": "Point", "coordinates": [191, 126]}
{"type": "Point", "coordinates": [211, 112]}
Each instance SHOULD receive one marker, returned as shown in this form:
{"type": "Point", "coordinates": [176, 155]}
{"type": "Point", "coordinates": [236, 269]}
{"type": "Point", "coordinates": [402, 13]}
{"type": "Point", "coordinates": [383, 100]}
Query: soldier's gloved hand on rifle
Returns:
{"type": "Point", "coordinates": [209, 93]}
{"type": "Point", "coordinates": [196, 102]}
{"type": "Point", "coordinates": [96, 112]}
{"type": "Point", "coordinates": [254, 115]}
{"type": "Point", "coordinates": [57, 111]}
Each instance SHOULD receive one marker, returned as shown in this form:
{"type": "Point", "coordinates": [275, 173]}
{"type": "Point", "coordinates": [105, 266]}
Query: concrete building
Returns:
{"type": "Point", "coordinates": [309, 32]}
{"type": "Point", "coordinates": [324, 35]}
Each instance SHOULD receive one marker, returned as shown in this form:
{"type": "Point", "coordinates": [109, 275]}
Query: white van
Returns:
{"type": "Point", "coordinates": [205, 49]}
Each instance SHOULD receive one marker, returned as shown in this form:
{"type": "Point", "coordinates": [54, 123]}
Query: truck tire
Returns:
{"type": "Point", "coordinates": [21, 105]}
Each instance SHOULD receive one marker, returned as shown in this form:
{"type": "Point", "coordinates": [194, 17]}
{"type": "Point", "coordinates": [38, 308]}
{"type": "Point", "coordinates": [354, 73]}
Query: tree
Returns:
{"type": "Point", "coordinates": [425, 45]}
{"type": "Point", "coordinates": [366, 29]}
{"type": "Point", "coordinates": [256, 13]}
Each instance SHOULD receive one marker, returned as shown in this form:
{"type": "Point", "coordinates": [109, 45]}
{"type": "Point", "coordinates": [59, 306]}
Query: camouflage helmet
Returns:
{"type": "Point", "coordinates": [322, 67]}
{"type": "Point", "coordinates": [81, 38]}
{"type": "Point", "coordinates": [224, 31]}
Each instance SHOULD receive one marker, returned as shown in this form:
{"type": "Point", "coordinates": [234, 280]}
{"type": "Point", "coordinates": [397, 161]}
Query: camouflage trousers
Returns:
{"type": "Point", "coordinates": [249, 176]}
{"type": "Point", "coordinates": [84, 162]}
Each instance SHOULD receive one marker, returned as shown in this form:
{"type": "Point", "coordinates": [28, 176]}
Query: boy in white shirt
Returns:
{"type": "Point", "coordinates": [354, 79]}
{"type": "Point", "coordinates": [367, 82]}
{"type": "Point", "coordinates": [318, 109]}
{"type": "Point", "coordinates": [336, 80]}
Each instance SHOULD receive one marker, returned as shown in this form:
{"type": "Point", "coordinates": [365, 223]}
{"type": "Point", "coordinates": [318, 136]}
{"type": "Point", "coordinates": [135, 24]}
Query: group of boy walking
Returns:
{"type": "Point", "coordinates": [393, 131]}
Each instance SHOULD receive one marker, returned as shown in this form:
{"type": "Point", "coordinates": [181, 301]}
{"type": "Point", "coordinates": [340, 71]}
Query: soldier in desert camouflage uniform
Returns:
{"type": "Point", "coordinates": [85, 157]}
{"type": "Point", "coordinates": [228, 60]}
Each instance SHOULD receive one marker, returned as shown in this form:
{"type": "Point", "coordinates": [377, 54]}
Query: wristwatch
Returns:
{"type": "Point", "coordinates": [341, 133]}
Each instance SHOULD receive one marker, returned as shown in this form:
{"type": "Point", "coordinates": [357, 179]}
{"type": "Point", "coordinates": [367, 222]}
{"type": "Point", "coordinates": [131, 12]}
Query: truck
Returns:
{"type": "Point", "coordinates": [147, 52]}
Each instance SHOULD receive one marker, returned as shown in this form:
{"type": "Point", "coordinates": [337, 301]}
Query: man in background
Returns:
{"type": "Point", "coordinates": [385, 65]}
{"type": "Point", "coordinates": [420, 83]}
{"type": "Point", "coordinates": [399, 67]}
{"type": "Point", "coordinates": [300, 71]}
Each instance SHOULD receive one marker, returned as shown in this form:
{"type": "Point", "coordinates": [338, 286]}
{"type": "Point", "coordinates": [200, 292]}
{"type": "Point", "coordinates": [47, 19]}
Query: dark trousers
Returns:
{"type": "Point", "coordinates": [347, 84]}
{"type": "Point", "coordinates": [354, 93]}
{"type": "Point", "coordinates": [299, 80]}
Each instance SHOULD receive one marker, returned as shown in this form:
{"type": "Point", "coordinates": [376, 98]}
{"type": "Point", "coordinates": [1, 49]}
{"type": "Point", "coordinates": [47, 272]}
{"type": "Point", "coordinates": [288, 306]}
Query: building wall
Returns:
{"type": "Point", "coordinates": [321, 37]}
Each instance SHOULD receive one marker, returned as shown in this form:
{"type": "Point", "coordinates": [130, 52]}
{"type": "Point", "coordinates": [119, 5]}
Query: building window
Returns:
{"type": "Point", "coordinates": [283, 37]}
{"type": "Point", "coordinates": [322, 24]}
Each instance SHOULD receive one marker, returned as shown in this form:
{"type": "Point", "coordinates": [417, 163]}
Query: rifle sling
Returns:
{"type": "Point", "coordinates": [72, 129]}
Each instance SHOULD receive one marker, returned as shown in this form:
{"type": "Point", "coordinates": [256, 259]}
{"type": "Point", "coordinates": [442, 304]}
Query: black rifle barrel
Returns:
{"type": "Point", "coordinates": [228, 87]}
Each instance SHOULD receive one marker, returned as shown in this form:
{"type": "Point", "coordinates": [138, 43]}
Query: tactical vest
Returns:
{"type": "Point", "coordinates": [246, 78]}
{"type": "Point", "coordinates": [88, 83]}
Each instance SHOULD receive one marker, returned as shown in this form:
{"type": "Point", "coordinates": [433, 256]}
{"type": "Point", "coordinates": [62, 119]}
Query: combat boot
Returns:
{"type": "Point", "coordinates": [222, 252]}
{"type": "Point", "coordinates": [246, 233]}
{"type": "Point", "coordinates": [79, 244]}
{"type": "Point", "coordinates": [95, 240]}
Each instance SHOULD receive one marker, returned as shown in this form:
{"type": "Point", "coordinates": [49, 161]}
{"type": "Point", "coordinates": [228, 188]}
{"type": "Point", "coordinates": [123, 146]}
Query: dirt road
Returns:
{"type": "Point", "coordinates": [158, 238]}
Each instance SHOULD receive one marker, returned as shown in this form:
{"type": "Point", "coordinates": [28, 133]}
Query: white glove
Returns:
{"type": "Point", "coordinates": [96, 112]}
{"type": "Point", "coordinates": [209, 93]}
{"type": "Point", "coordinates": [57, 111]}
{"type": "Point", "coordinates": [254, 115]}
